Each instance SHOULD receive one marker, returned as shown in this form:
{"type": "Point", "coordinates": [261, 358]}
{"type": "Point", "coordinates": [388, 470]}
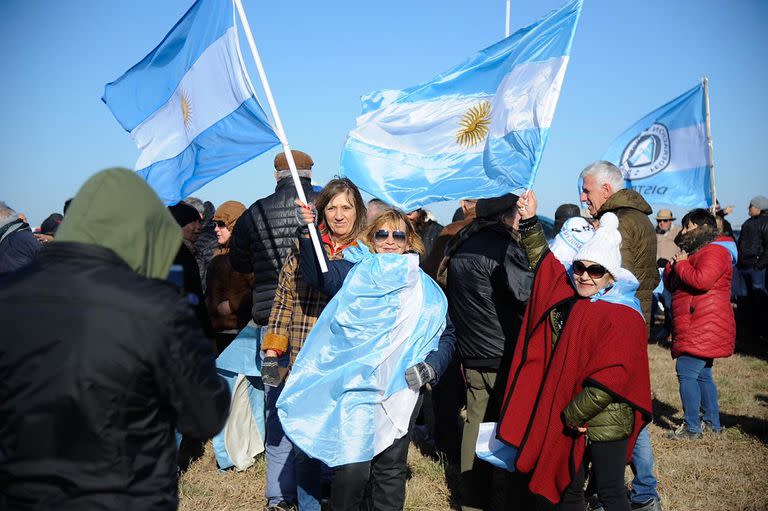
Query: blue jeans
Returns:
{"type": "Point", "coordinates": [281, 474]}
{"type": "Point", "coordinates": [697, 391]}
{"type": "Point", "coordinates": [644, 483]}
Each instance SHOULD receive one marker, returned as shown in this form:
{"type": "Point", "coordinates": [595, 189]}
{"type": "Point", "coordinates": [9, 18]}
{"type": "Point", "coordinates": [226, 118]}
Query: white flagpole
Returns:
{"type": "Point", "coordinates": [506, 30]}
{"type": "Point", "coordinates": [280, 131]}
{"type": "Point", "coordinates": [705, 82]}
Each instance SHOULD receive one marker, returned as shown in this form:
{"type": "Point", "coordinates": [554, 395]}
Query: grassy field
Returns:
{"type": "Point", "coordinates": [719, 472]}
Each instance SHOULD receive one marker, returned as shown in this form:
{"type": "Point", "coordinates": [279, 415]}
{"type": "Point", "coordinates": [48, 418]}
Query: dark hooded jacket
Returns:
{"type": "Point", "coordinates": [638, 242]}
{"type": "Point", "coordinates": [753, 243]}
{"type": "Point", "coordinates": [18, 246]}
{"type": "Point", "coordinates": [262, 238]}
{"type": "Point", "coordinates": [101, 361]}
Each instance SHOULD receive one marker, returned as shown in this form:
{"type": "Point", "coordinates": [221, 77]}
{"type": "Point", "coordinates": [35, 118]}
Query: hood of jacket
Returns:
{"type": "Point", "coordinates": [625, 199]}
{"type": "Point", "coordinates": [118, 210]}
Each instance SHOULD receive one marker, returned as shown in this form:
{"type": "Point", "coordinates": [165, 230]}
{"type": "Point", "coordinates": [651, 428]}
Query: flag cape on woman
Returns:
{"type": "Point", "coordinates": [346, 398]}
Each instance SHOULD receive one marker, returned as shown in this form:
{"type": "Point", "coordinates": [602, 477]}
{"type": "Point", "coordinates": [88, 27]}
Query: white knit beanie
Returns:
{"type": "Point", "coordinates": [575, 232]}
{"type": "Point", "coordinates": [604, 247]}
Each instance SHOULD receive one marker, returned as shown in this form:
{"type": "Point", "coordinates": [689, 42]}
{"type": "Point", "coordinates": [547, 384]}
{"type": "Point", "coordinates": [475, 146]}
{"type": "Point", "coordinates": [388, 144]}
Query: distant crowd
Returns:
{"type": "Point", "coordinates": [114, 314]}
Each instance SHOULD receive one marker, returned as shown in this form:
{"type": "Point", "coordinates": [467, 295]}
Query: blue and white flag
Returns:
{"type": "Point", "coordinates": [243, 435]}
{"type": "Point", "coordinates": [664, 155]}
{"type": "Point", "coordinates": [475, 131]}
{"type": "Point", "coordinates": [346, 398]}
{"type": "Point", "coordinates": [190, 105]}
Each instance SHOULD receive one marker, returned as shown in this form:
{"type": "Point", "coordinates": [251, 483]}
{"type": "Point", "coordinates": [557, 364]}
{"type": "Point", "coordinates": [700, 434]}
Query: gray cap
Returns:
{"type": "Point", "coordinates": [760, 202]}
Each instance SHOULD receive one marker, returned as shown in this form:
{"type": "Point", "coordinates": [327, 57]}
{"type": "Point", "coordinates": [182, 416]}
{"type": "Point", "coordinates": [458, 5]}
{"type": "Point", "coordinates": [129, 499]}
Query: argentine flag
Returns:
{"type": "Point", "coordinates": [190, 105]}
{"type": "Point", "coordinates": [664, 155]}
{"type": "Point", "coordinates": [346, 398]}
{"type": "Point", "coordinates": [475, 131]}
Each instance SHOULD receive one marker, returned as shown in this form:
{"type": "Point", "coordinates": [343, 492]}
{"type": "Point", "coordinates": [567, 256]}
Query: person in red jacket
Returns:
{"type": "Point", "coordinates": [703, 327]}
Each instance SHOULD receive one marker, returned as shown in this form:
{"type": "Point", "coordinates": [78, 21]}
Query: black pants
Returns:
{"type": "Point", "coordinates": [378, 484]}
{"type": "Point", "coordinates": [448, 398]}
{"type": "Point", "coordinates": [608, 462]}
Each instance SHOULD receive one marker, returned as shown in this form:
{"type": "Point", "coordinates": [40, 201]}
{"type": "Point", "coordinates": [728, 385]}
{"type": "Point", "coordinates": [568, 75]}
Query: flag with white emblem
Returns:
{"type": "Point", "coordinates": [477, 130]}
{"type": "Point", "coordinates": [190, 105]}
{"type": "Point", "coordinates": [664, 155]}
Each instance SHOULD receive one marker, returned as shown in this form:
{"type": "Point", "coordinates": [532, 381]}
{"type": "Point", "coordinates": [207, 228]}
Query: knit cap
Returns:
{"type": "Point", "coordinates": [229, 212]}
{"type": "Point", "coordinates": [184, 213]}
{"type": "Point", "coordinates": [604, 247]}
{"type": "Point", "coordinates": [760, 202]}
{"type": "Point", "coordinates": [575, 232]}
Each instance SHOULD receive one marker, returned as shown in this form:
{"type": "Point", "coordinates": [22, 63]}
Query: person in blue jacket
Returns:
{"type": "Point", "coordinates": [380, 481]}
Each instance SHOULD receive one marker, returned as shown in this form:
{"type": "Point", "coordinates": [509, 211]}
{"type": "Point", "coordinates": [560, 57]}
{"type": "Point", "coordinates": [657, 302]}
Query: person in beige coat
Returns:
{"type": "Point", "coordinates": [666, 231]}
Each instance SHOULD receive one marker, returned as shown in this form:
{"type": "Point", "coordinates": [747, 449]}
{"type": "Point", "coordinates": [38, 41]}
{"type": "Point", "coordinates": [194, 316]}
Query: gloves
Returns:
{"type": "Point", "coordinates": [419, 375]}
{"type": "Point", "coordinates": [270, 373]}
{"type": "Point", "coordinates": [302, 214]}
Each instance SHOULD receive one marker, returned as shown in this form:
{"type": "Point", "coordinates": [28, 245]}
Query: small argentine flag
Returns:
{"type": "Point", "coordinates": [475, 131]}
{"type": "Point", "coordinates": [190, 105]}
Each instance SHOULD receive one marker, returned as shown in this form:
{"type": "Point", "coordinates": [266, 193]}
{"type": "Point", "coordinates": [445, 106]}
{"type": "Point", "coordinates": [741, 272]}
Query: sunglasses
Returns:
{"type": "Point", "coordinates": [220, 224]}
{"type": "Point", "coordinates": [595, 271]}
{"type": "Point", "coordinates": [383, 235]}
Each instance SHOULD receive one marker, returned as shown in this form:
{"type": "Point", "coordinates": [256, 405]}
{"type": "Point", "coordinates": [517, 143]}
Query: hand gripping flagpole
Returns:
{"type": "Point", "coordinates": [705, 82]}
{"type": "Point", "coordinates": [280, 131]}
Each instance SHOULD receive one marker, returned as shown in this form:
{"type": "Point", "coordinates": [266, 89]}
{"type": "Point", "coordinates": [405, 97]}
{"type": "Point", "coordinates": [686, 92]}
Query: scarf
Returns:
{"type": "Point", "coordinates": [693, 240]}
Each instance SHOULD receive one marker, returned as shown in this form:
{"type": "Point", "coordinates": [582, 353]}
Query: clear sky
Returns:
{"type": "Point", "coordinates": [628, 58]}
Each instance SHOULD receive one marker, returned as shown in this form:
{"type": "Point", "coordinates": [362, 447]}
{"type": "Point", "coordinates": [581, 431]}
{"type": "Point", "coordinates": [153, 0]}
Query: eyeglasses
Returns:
{"type": "Point", "coordinates": [383, 235]}
{"type": "Point", "coordinates": [595, 270]}
{"type": "Point", "coordinates": [664, 221]}
{"type": "Point", "coordinates": [220, 224]}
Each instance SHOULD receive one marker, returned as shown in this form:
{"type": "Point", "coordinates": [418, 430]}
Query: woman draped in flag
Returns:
{"type": "Point", "coordinates": [579, 376]}
{"type": "Point", "coordinates": [296, 309]}
{"type": "Point", "coordinates": [355, 389]}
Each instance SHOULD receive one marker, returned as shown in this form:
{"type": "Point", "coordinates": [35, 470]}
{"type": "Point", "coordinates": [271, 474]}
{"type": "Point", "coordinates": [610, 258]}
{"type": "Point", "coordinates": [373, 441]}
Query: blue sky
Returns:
{"type": "Point", "coordinates": [628, 58]}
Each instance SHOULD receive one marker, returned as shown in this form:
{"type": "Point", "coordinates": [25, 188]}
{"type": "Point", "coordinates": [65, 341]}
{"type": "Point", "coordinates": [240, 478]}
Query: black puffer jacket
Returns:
{"type": "Point", "coordinates": [488, 283]}
{"type": "Point", "coordinates": [99, 366]}
{"type": "Point", "coordinates": [262, 237]}
{"type": "Point", "coordinates": [753, 242]}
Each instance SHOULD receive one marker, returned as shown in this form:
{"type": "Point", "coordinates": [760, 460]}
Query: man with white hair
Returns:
{"type": "Point", "coordinates": [603, 190]}
{"type": "Point", "coordinates": [18, 246]}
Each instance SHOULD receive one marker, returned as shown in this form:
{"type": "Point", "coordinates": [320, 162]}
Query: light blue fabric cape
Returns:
{"type": "Point", "coordinates": [346, 398]}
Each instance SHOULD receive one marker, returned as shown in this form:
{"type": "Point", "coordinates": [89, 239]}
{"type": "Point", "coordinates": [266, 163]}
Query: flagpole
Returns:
{"type": "Point", "coordinates": [506, 27]}
{"type": "Point", "coordinates": [280, 131]}
{"type": "Point", "coordinates": [705, 81]}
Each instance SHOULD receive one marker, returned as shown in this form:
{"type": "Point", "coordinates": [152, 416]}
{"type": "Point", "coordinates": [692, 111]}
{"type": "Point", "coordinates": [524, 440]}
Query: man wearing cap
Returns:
{"type": "Point", "coordinates": [753, 260]}
{"type": "Point", "coordinates": [488, 280]}
{"type": "Point", "coordinates": [260, 242]}
{"type": "Point", "coordinates": [665, 235]}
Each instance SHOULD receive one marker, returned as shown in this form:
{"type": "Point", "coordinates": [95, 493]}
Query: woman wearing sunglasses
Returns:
{"type": "Point", "coordinates": [387, 335]}
{"type": "Point", "coordinates": [227, 292]}
{"type": "Point", "coordinates": [579, 377]}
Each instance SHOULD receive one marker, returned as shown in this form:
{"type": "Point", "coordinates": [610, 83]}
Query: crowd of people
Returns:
{"type": "Point", "coordinates": [114, 313]}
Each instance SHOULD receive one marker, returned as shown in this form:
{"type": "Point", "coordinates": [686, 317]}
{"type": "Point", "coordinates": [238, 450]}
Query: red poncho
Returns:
{"type": "Point", "coordinates": [602, 344]}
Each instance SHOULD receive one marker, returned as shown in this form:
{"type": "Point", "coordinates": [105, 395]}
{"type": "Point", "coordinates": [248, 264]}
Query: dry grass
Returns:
{"type": "Point", "coordinates": [725, 472]}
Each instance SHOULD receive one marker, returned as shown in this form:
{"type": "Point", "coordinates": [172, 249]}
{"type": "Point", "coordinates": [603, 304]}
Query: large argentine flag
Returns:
{"type": "Point", "coordinates": [664, 155]}
{"type": "Point", "coordinates": [346, 398]}
{"type": "Point", "coordinates": [475, 131]}
{"type": "Point", "coordinates": [190, 105]}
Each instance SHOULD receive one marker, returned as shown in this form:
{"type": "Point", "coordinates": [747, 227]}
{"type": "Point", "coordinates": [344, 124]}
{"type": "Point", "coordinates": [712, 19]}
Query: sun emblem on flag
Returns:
{"type": "Point", "coordinates": [475, 125]}
{"type": "Point", "coordinates": [186, 109]}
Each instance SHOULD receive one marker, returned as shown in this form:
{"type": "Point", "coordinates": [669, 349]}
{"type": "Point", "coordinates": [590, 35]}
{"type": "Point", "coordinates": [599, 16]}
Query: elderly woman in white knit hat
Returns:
{"type": "Point", "coordinates": [579, 376]}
